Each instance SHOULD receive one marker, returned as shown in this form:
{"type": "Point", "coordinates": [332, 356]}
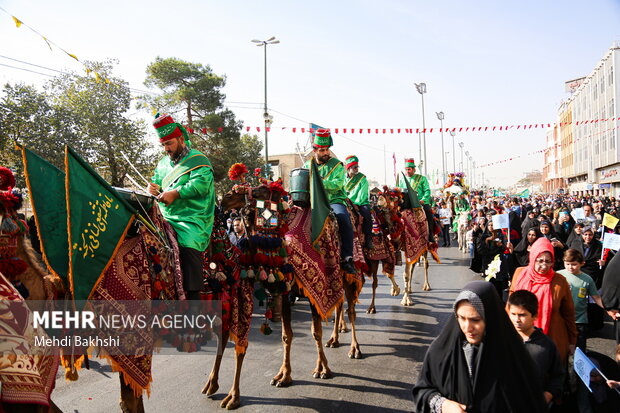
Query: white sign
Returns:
{"type": "Point", "coordinates": [578, 214]}
{"type": "Point", "coordinates": [501, 221]}
{"type": "Point", "coordinates": [612, 242]}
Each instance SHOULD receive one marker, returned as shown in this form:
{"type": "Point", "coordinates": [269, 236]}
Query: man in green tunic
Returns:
{"type": "Point", "coordinates": [419, 183]}
{"type": "Point", "coordinates": [332, 172]}
{"type": "Point", "coordinates": [356, 186]}
{"type": "Point", "coordinates": [183, 184]}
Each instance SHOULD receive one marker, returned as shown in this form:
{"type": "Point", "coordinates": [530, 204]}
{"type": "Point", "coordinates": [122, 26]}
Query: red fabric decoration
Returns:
{"type": "Point", "coordinates": [7, 179]}
{"type": "Point", "coordinates": [257, 172]}
{"type": "Point", "coordinates": [237, 171]}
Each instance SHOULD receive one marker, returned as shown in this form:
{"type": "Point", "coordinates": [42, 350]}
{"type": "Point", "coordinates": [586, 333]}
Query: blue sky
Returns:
{"type": "Point", "coordinates": [347, 64]}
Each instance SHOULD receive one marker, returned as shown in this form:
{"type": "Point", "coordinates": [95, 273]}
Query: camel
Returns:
{"type": "Point", "coordinates": [386, 242]}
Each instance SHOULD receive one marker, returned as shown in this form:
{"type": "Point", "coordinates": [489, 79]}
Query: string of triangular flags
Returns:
{"type": "Point", "coordinates": [460, 129]}
{"type": "Point", "coordinates": [18, 23]}
{"type": "Point", "coordinates": [556, 146]}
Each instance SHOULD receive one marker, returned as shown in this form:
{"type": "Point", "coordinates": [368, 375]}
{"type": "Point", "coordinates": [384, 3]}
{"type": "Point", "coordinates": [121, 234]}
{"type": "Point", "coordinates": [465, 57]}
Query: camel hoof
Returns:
{"type": "Point", "coordinates": [332, 343]}
{"type": "Point", "coordinates": [210, 388]}
{"type": "Point", "coordinates": [395, 291]}
{"type": "Point", "coordinates": [426, 287]}
{"type": "Point", "coordinates": [326, 375]}
{"type": "Point", "coordinates": [230, 402]}
{"type": "Point", "coordinates": [316, 375]}
{"type": "Point", "coordinates": [371, 310]}
{"type": "Point", "coordinates": [406, 301]}
{"type": "Point", "coordinates": [343, 330]}
{"type": "Point", "coordinates": [355, 353]}
{"type": "Point", "coordinates": [282, 383]}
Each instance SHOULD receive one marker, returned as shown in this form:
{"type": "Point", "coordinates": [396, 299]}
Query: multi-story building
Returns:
{"type": "Point", "coordinates": [594, 129]}
{"type": "Point", "coordinates": [551, 176]}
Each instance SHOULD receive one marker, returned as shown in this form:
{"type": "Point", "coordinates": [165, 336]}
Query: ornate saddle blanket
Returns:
{"type": "Point", "coordinates": [415, 234]}
{"type": "Point", "coordinates": [317, 274]}
{"type": "Point", "coordinates": [27, 371]}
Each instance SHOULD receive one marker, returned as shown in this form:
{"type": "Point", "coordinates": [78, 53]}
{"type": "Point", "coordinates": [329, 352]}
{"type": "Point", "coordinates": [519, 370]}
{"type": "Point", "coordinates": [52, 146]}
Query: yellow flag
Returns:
{"type": "Point", "coordinates": [97, 77]}
{"type": "Point", "coordinates": [17, 21]}
{"type": "Point", "coordinates": [47, 41]}
{"type": "Point", "coordinates": [73, 56]}
{"type": "Point", "coordinates": [610, 221]}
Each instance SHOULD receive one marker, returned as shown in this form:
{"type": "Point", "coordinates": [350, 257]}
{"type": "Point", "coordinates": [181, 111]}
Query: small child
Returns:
{"type": "Point", "coordinates": [581, 286]}
{"type": "Point", "coordinates": [522, 307]}
{"type": "Point", "coordinates": [469, 238]}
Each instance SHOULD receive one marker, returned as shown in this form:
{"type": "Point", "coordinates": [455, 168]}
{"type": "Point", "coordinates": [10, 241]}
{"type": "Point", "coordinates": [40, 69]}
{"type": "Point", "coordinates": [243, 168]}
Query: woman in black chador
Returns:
{"type": "Point", "coordinates": [478, 364]}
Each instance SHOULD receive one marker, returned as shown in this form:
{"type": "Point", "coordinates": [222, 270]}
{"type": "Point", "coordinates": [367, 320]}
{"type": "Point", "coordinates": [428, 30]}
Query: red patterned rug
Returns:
{"type": "Point", "coordinates": [415, 235]}
{"type": "Point", "coordinates": [27, 371]}
{"type": "Point", "coordinates": [142, 264]}
{"type": "Point", "coordinates": [317, 274]}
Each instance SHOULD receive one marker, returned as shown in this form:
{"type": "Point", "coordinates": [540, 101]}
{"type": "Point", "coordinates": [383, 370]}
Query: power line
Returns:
{"type": "Point", "coordinates": [26, 70]}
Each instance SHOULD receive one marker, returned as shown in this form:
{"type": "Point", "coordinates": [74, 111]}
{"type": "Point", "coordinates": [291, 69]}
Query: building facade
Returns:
{"type": "Point", "coordinates": [593, 169]}
{"type": "Point", "coordinates": [552, 179]}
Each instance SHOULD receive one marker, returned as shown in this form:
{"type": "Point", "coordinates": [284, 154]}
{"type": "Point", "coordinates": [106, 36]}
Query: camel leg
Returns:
{"type": "Point", "coordinates": [373, 268]}
{"type": "Point", "coordinates": [322, 369]}
{"type": "Point", "coordinates": [350, 290]}
{"type": "Point", "coordinates": [333, 340]}
{"type": "Point", "coordinates": [233, 399]}
{"type": "Point", "coordinates": [395, 290]}
{"type": "Point", "coordinates": [283, 378]}
{"type": "Point", "coordinates": [129, 402]}
{"type": "Point", "coordinates": [407, 276]}
{"type": "Point", "coordinates": [426, 286]}
{"type": "Point", "coordinates": [211, 386]}
{"type": "Point", "coordinates": [342, 323]}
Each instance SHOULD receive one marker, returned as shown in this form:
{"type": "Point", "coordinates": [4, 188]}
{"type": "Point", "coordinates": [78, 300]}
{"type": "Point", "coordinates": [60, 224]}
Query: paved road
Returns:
{"type": "Point", "coordinates": [393, 343]}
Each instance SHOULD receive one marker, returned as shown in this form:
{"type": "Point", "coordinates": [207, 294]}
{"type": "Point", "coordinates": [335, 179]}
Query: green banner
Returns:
{"type": "Point", "coordinates": [318, 202]}
{"type": "Point", "coordinates": [524, 194]}
{"type": "Point", "coordinates": [46, 186]}
{"type": "Point", "coordinates": [98, 220]}
{"type": "Point", "coordinates": [413, 195]}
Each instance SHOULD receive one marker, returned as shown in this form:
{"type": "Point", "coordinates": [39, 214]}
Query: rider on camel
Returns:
{"type": "Point", "coordinates": [183, 184]}
{"type": "Point", "coordinates": [356, 186]}
{"type": "Point", "coordinates": [333, 174]}
{"type": "Point", "coordinates": [419, 183]}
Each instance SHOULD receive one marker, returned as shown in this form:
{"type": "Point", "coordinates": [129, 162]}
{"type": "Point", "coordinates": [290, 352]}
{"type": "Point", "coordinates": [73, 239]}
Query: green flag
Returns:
{"type": "Point", "coordinates": [46, 186]}
{"type": "Point", "coordinates": [318, 202]}
{"type": "Point", "coordinates": [98, 220]}
{"type": "Point", "coordinates": [524, 194]}
{"type": "Point", "coordinates": [413, 195]}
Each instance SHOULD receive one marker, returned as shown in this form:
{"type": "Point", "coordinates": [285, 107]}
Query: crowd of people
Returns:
{"type": "Point", "coordinates": [552, 280]}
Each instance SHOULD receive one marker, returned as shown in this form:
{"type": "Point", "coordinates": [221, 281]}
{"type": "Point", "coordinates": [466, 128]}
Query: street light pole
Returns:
{"type": "Point", "coordinates": [421, 88]}
{"type": "Point", "coordinates": [468, 173]}
{"type": "Point", "coordinates": [268, 118]}
{"type": "Point", "coordinates": [440, 116]}
{"type": "Point", "coordinates": [461, 166]}
{"type": "Point", "coordinates": [453, 152]}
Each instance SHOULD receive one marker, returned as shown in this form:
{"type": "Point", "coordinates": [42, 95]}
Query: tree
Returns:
{"type": "Point", "coordinates": [193, 91]}
{"type": "Point", "coordinates": [98, 106]}
{"type": "Point", "coordinates": [28, 118]}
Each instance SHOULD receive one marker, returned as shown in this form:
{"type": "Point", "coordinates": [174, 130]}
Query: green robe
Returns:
{"type": "Point", "coordinates": [418, 183]}
{"type": "Point", "coordinates": [333, 175]}
{"type": "Point", "coordinates": [191, 215]}
{"type": "Point", "coordinates": [357, 189]}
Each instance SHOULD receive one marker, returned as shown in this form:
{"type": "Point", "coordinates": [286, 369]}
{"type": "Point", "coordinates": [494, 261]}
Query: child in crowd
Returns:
{"type": "Point", "coordinates": [522, 307]}
{"type": "Point", "coordinates": [469, 238]}
{"type": "Point", "coordinates": [581, 286]}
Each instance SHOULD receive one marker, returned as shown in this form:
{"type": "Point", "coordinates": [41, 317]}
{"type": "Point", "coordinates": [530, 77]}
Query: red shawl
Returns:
{"type": "Point", "coordinates": [539, 284]}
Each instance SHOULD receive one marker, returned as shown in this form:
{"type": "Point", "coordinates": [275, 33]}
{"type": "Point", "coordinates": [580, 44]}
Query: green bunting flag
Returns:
{"type": "Point", "coordinates": [413, 195]}
{"type": "Point", "coordinates": [46, 187]}
{"type": "Point", "coordinates": [319, 204]}
{"type": "Point", "coordinates": [98, 220]}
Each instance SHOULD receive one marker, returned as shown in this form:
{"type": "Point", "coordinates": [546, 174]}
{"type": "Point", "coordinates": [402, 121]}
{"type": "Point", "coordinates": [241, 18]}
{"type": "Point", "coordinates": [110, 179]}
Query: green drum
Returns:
{"type": "Point", "coordinates": [300, 185]}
